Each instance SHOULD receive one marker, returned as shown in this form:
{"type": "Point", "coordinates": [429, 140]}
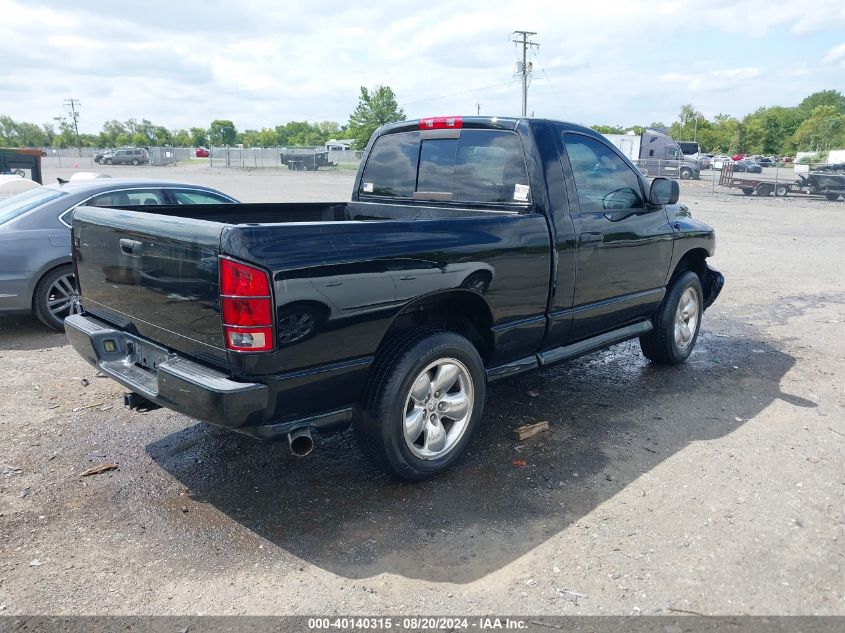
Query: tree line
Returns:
{"type": "Point", "coordinates": [375, 107]}
{"type": "Point", "coordinates": [815, 124]}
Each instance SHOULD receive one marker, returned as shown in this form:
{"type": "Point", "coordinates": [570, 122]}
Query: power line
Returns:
{"type": "Point", "coordinates": [456, 94]}
{"type": "Point", "coordinates": [552, 86]}
{"type": "Point", "coordinates": [524, 69]}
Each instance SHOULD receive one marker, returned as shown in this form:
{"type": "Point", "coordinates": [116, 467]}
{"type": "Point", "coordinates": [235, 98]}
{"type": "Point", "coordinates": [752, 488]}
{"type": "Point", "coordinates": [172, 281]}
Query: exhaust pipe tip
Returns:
{"type": "Point", "coordinates": [300, 441]}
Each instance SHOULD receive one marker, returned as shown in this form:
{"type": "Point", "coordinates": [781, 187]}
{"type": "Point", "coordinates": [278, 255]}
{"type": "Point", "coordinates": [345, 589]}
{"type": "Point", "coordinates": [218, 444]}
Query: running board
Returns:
{"type": "Point", "coordinates": [568, 352]}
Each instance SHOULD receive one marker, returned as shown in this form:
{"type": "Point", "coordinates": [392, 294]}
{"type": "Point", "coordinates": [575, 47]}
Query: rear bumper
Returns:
{"type": "Point", "coordinates": [193, 389]}
{"type": "Point", "coordinates": [176, 383]}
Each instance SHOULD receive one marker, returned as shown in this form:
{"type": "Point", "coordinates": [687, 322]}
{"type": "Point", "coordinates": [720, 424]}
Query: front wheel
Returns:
{"type": "Point", "coordinates": [135, 162]}
{"type": "Point", "coordinates": [56, 297]}
{"type": "Point", "coordinates": [677, 323]}
{"type": "Point", "coordinates": [109, 161]}
{"type": "Point", "coordinates": [423, 404]}
{"type": "Point", "coordinates": [686, 174]}
{"type": "Point", "coordinates": [781, 191]}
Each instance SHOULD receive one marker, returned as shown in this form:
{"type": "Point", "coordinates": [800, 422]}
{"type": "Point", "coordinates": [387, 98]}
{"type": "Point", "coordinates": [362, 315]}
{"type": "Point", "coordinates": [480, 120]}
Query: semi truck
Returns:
{"type": "Point", "coordinates": [656, 154]}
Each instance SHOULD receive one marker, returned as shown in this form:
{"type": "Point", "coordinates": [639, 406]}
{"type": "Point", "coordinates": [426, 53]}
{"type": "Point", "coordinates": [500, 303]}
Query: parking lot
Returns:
{"type": "Point", "coordinates": [716, 487]}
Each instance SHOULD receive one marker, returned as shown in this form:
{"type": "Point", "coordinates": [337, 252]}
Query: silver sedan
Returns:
{"type": "Point", "coordinates": [36, 274]}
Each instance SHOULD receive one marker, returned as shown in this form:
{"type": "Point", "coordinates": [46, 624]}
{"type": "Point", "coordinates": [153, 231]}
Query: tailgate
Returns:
{"type": "Point", "coordinates": [152, 274]}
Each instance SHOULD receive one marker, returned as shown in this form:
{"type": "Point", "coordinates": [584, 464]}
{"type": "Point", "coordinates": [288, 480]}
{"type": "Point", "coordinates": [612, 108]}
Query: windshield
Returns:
{"type": "Point", "coordinates": [16, 206]}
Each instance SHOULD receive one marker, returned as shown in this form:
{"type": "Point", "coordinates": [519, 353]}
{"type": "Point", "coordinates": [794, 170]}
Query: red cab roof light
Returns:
{"type": "Point", "coordinates": [441, 122]}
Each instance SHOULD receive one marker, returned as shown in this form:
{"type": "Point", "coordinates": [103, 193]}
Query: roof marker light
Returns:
{"type": "Point", "coordinates": [441, 123]}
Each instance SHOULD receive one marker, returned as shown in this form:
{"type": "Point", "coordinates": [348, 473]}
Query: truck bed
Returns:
{"type": "Point", "coordinates": [281, 213]}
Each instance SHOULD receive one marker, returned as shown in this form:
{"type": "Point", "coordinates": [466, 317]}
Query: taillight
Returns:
{"type": "Point", "coordinates": [441, 122]}
{"type": "Point", "coordinates": [246, 306]}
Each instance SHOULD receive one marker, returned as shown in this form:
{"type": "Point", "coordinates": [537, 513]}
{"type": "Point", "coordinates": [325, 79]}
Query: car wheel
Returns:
{"type": "Point", "coordinates": [56, 297]}
{"type": "Point", "coordinates": [686, 174]}
{"type": "Point", "coordinates": [748, 190]}
{"type": "Point", "coordinates": [832, 196]}
{"type": "Point", "coordinates": [781, 191]}
{"type": "Point", "coordinates": [423, 404]}
{"type": "Point", "coordinates": [479, 282]}
{"type": "Point", "coordinates": [677, 323]}
{"type": "Point", "coordinates": [109, 161]}
{"type": "Point", "coordinates": [135, 162]}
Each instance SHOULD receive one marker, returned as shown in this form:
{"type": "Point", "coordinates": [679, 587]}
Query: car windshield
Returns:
{"type": "Point", "coordinates": [16, 206]}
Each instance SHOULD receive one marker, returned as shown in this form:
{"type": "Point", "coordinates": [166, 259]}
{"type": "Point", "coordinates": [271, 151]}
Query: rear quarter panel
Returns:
{"type": "Point", "coordinates": [429, 255]}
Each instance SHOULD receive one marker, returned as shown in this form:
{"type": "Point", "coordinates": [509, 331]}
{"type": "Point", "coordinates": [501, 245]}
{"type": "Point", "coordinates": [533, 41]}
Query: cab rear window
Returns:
{"type": "Point", "coordinates": [479, 166]}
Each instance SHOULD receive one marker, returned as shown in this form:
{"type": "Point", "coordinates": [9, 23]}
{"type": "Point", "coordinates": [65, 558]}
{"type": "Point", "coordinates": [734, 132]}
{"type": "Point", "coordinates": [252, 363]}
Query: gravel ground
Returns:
{"type": "Point", "coordinates": [717, 487]}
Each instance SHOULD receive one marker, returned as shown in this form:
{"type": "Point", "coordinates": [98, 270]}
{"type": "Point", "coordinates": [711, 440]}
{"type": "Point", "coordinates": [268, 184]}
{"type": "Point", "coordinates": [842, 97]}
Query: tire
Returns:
{"type": "Point", "coordinates": [135, 162]}
{"type": "Point", "coordinates": [53, 289]}
{"type": "Point", "coordinates": [748, 190]}
{"type": "Point", "coordinates": [686, 174]}
{"type": "Point", "coordinates": [765, 190]}
{"type": "Point", "coordinates": [832, 196]}
{"type": "Point", "coordinates": [670, 343]}
{"type": "Point", "coordinates": [781, 191]}
{"type": "Point", "coordinates": [479, 282]}
{"type": "Point", "coordinates": [402, 392]}
{"type": "Point", "coordinates": [109, 161]}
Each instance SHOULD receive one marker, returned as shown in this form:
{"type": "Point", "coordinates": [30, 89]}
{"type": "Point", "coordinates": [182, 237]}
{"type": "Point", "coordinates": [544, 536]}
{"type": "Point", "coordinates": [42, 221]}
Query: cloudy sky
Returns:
{"type": "Point", "coordinates": [182, 63]}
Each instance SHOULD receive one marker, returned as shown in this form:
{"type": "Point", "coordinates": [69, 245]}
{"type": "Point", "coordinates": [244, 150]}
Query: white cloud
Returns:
{"type": "Point", "coordinates": [262, 63]}
{"type": "Point", "coordinates": [715, 80]}
{"type": "Point", "coordinates": [836, 56]}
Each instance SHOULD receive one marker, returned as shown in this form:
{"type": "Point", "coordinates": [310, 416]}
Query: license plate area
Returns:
{"type": "Point", "coordinates": [147, 357]}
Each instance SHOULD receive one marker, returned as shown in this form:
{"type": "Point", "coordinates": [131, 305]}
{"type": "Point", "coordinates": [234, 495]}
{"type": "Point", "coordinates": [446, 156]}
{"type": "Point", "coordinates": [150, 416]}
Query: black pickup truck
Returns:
{"type": "Point", "coordinates": [472, 249]}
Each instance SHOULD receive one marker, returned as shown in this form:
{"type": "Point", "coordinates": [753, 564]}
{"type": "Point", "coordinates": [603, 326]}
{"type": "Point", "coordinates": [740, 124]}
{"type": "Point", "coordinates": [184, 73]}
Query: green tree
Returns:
{"type": "Point", "coordinates": [199, 137]}
{"type": "Point", "coordinates": [222, 132]}
{"type": "Point", "coordinates": [374, 109]}
{"type": "Point", "coordinates": [823, 130]}
{"type": "Point", "coordinates": [181, 138]}
{"type": "Point", "coordinates": [822, 98]}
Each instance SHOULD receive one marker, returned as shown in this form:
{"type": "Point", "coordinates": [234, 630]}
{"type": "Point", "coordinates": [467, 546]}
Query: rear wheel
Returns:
{"type": "Point", "coordinates": [423, 405]}
{"type": "Point", "coordinates": [781, 191]}
{"type": "Point", "coordinates": [748, 190]}
{"type": "Point", "coordinates": [677, 323]}
{"type": "Point", "coordinates": [135, 162]}
{"type": "Point", "coordinates": [56, 297]}
{"type": "Point", "coordinates": [686, 174]}
{"type": "Point", "coordinates": [832, 196]}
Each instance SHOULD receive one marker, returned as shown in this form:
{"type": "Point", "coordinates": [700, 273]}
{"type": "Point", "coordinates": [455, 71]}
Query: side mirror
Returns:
{"type": "Point", "coordinates": [664, 191]}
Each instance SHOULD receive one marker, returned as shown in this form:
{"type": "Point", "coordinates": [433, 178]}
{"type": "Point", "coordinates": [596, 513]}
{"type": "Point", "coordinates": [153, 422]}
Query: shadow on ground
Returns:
{"type": "Point", "coordinates": [25, 332]}
{"type": "Point", "coordinates": [613, 418]}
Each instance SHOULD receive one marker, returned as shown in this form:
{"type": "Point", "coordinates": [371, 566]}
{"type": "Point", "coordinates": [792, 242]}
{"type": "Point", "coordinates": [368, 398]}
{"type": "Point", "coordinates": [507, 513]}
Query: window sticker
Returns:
{"type": "Point", "coordinates": [367, 187]}
{"type": "Point", "coordinates": [520, 193]}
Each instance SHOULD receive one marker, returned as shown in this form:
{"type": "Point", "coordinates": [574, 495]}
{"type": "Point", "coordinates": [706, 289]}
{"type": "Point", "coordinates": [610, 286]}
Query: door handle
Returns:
{"type": "Point", "coordinates": [407, 278]}
{"type": "Point", "coordinates": [334, 284]}
{"type": "Point", "coordinates": [586, 238]}
{"type": "Point", "coordinates": [130, 247]}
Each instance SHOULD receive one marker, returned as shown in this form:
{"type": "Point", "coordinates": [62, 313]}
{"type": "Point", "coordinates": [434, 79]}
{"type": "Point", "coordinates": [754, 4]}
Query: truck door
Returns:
{"type": "Point", "coordinates": [624, 247]}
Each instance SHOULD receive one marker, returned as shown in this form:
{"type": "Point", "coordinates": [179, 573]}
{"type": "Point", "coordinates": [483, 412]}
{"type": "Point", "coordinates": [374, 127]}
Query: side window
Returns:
{"type": "Point", "coordinates": [603, 180]}
{"type": "Point", "coordinates": [391, 168]}
{"type": "Point", "coordinates": [148, 197]}
{"type": "Point", "coordinates": [480, 166]}
{"type": "Point", "coordinates": [198, 197]}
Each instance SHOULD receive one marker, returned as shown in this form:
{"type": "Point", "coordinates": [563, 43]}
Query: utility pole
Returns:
{"type": "Point", "coordinates": [73, 104]}
{"type": "Point", "coordinates": [478, 108]}
{"type": "Point", "coordinates": [524, 68]}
